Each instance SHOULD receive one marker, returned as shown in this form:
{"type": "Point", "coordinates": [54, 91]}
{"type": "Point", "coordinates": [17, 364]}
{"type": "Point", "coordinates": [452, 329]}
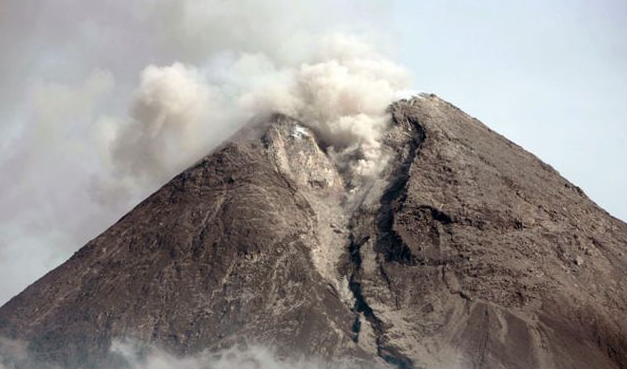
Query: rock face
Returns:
{"type": "Point", "coordinates": [467, 252]}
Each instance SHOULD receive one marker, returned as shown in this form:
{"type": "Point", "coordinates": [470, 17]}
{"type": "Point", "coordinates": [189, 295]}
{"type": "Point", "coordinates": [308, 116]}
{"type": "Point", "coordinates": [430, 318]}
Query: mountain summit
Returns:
{"type": "Point", "coordinates": [464, 251]}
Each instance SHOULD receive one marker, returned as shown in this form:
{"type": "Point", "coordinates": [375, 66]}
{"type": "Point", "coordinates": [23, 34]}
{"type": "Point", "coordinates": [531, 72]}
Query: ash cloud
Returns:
{"type": "Point", "coordinates": [104, 102]}
{"type": "Point", "coordinates": [180, 111]}
{"type": "Point", "coordinates": [343, 95]}
{"type": "Point", "coordinates": [162, 131]}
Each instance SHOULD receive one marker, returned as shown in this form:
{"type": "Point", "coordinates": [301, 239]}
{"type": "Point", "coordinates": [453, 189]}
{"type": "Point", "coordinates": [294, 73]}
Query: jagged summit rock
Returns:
{"type": "Point", "coordinates": [467, 251]}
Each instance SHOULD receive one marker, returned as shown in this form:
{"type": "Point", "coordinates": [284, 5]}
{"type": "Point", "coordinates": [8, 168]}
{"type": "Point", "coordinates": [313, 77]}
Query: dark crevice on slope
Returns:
{"type": "Point", "coordinates": [387, 353]}
{"type": "Point", "coordinates": [361, 306]}
{"type": "Point", "coordinates": [390, 245]}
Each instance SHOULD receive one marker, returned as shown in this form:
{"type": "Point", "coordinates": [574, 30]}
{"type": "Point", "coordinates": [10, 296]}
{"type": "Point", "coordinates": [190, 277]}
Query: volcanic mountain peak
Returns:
{"type": "Point", "coordinates": [463, 250]}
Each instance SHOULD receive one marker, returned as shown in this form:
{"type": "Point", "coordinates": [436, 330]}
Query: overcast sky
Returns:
{"type": "Point", "coordinates": [82, 81]}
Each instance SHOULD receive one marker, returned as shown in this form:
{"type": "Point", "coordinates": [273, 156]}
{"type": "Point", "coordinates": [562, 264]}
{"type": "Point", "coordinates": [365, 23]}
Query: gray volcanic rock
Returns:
{"type": "Point", "coordinates": [467, 252]}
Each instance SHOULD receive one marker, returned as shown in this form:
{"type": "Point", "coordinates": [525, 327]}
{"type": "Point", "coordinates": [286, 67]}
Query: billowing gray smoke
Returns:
{"type": "Point", "coordinates": [180, 111]}
{"type": "Point", "coordinates": [122, 96]}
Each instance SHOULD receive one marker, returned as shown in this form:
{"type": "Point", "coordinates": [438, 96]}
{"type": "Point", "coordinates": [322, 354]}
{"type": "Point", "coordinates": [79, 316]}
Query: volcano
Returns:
{"type": "Point", "coordinates": [466, 251]}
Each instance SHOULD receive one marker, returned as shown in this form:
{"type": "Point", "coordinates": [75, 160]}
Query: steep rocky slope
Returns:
{"type": "Point", "coordinates": [467, 252]}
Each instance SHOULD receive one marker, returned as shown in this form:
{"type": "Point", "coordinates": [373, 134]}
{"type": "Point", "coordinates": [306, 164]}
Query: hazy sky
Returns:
{"type": "Point", "coordinates": [85, 84]}
{"type": "Point", "coordinates": [549, 75]}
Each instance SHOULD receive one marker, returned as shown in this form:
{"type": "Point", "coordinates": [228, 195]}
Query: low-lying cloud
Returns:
{"type": "Point", "coordinates": [131, 354]}
{"type": "Point", "coordinates": [252, 357]}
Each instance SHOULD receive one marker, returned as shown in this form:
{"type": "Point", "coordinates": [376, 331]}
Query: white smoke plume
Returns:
{"type": "Point", "coordinates": [181, 111]}
{"type": "Point", "coordinates": [162, 131]}
{"type": "Point", "coordinates": [103, 102]}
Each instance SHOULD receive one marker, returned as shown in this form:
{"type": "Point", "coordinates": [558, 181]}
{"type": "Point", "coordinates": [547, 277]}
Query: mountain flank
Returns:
{"type": "Point", "coordinates": [465, 252]}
